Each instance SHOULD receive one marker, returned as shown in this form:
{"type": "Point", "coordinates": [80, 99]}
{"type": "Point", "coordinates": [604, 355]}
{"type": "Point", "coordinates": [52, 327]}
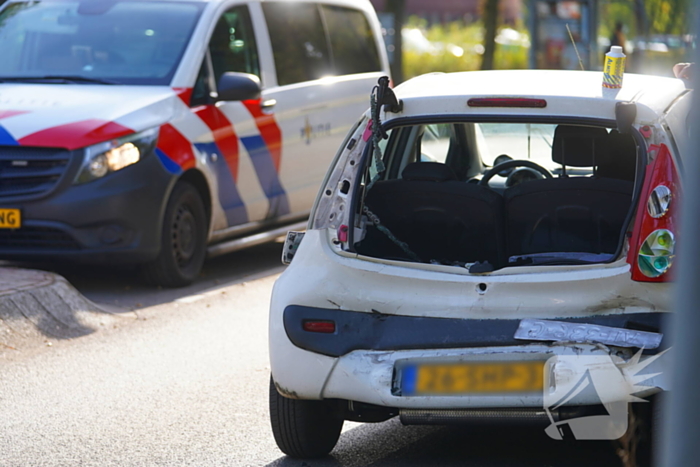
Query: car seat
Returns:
{"type": "Point", "coordinates": [571, 214]}
{"type": "Point", "coordinates": [440, 218]}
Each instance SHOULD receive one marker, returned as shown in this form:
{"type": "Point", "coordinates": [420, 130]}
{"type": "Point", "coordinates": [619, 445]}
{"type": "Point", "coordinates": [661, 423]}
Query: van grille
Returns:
{"type": "Point", "coordinates": [40, 238]}
{"type": "Point", "coordinates": [29, 170]}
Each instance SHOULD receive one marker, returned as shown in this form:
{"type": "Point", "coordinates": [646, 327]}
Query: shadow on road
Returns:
{"type": "Point", "coordinates": [122, 289]}
{"type": "Point", "coordinates": [389, 444]}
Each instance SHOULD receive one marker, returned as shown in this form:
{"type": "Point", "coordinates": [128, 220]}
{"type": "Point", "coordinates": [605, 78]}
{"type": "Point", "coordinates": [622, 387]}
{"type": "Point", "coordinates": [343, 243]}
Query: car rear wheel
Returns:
{"type": "Point", "coordinates": [183, 239]}
{"type": "Point", "coordinates": [303, 428]}
{"type": "Point", "coordinates": [640, 446]}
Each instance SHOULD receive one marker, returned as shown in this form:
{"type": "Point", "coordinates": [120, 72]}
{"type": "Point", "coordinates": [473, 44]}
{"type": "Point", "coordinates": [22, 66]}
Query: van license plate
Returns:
{"type": "Point", "coordinates": [470, 378]}
{"type": "Point", "coordinates": [10, 219]}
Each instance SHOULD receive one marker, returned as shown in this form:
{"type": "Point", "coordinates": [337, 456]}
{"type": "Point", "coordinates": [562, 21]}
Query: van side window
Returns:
{"type": "Point", "coordinates": [200, 91]}
{"type": "Point", "coordinates": [232, 45]}
{"type": "Point", "coordinates": [299, 43]}
{"type": "Point", "coordinates": [352, 41]}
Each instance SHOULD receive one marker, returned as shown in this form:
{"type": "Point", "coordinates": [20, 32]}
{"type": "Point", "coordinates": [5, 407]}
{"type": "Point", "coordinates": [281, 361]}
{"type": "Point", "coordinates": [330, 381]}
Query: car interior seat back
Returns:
{"type": "Point", "coordinates": [619, 160]}
{"type": "Point", "coordinates": [428, 172]}
{"type": "Point", "coordinates": [578, 146]}
{"type": "Point", "coordinates": [569, 214]}
{"type": "Point", "coordinates": [446, 221]}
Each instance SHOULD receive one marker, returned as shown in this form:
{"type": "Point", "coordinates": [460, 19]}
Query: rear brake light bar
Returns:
{"type": "Point", "coordinates": [519, 102]}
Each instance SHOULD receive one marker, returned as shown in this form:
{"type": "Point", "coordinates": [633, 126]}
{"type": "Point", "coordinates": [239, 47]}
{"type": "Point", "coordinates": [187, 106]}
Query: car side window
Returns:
{"type": "Point", "coordinates": [352, 41]}
{"type": "Point", "coordinates": [232, 46]}
{"type": "Point", "coordinates": [435, 142]}
{"type": "Point", "coordinates": [200, 91]}
{"type": "Point", "coordinates": [299, 43]}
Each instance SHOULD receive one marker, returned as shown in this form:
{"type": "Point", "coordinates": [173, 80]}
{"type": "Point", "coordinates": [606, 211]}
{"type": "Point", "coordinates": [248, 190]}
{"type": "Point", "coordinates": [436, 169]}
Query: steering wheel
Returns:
{"type": "Point", "coordinates": [493, 171]}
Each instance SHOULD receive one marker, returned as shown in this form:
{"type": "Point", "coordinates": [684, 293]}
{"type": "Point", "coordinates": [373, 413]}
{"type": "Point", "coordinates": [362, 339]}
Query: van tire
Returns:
{"type": "Point", "coordinates": [183, 239]}
{"type": "Point", "coordinates": [303, 428]}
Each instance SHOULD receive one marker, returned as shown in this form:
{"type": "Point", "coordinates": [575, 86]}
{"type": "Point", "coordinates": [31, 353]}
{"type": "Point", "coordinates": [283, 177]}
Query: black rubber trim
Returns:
{"type": "Point", "coordinates": [377, 331]}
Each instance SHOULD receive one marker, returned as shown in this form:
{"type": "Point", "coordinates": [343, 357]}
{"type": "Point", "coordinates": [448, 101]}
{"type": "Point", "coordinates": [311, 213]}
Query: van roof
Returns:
{"type": "Point", "coordinates": [567, 93]}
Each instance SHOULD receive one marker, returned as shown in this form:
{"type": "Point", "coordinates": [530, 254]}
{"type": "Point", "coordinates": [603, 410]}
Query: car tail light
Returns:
{"type": "Point", "coordinates": [324, 327]}
{"type": "Point", "coordinates": [507, 102]}
{"type": "Point", "coordinates": [653, 243]}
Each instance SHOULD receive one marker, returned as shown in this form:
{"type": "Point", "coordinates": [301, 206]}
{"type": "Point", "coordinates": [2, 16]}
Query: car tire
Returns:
{"type": "Point", "coordinates": [303, 428]}
{"type": "Point", "coordinates": [640, 446]}
{"type": "Point", "coordinates": [183, 239]}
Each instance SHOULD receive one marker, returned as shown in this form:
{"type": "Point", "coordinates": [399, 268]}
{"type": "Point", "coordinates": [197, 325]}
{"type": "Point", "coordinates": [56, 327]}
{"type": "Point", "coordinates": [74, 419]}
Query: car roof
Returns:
{"type": "Point", "coordinates": [567, 93]}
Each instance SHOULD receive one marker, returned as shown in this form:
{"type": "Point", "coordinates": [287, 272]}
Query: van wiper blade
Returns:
{"type": "Point", "coordinates": [61, 79]}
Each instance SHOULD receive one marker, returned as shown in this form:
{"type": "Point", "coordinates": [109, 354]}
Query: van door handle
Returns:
{"type": "Point", "coordinates": [268, 104]}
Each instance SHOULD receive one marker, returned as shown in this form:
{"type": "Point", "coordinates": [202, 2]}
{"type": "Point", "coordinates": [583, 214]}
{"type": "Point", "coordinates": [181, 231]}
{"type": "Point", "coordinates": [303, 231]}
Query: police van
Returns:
{"type": "Point", "coordinates": [160, 132]}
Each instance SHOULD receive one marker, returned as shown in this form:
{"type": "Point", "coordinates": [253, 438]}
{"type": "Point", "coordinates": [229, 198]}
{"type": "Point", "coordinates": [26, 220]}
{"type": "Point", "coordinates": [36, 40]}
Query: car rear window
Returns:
{"type": "Point", "coordinates": [486, 195]}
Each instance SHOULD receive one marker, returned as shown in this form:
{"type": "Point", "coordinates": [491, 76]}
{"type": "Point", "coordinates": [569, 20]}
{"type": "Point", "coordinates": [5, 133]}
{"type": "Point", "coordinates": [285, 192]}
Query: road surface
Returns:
{"type": "Point", "coordinates": [182, 381]}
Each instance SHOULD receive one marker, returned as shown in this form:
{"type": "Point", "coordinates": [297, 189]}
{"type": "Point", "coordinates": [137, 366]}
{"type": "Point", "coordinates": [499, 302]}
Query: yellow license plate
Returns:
{"type": "Point", "coordinates": [465, 378]}
{"type": "Point", "coordinates": [10, 219]}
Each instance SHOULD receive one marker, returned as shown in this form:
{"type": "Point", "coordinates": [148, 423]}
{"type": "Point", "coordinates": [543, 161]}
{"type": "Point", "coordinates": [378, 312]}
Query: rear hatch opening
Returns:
{"type": "Point", "coordinates": [560, 193]}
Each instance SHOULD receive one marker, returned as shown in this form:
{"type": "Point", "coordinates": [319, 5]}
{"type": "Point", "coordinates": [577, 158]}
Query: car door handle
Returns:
{"type": "Point", "coordinates": [268, 104]}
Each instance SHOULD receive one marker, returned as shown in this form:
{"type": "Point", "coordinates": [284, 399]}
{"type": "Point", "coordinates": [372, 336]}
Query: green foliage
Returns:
{"type": "Point", "coordinates": [612, 12]}
{"type": "Point", "coordinates": [665, 16]}
{"type": "Point", "coordinates": [469, 37]}
{"type": "Point", "coordinates": [417, 64]}
{"type": "Point", "coordinates": [668, 16]}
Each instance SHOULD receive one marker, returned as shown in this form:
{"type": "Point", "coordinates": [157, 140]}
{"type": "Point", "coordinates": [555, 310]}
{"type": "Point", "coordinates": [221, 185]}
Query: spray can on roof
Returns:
{"type": "Point", "coordinates": [614, 68]}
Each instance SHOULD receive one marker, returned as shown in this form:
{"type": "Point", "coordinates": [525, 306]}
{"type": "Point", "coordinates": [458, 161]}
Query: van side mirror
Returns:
{"type": "Point", "coordinates": [235, 86]}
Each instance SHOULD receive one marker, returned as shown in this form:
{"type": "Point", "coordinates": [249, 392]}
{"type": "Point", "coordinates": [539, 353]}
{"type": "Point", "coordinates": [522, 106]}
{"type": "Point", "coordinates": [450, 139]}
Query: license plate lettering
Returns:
{"type": "Point", "coordinates": [10, 219]}
{"type": "Point", "coordinates": [465, 378]}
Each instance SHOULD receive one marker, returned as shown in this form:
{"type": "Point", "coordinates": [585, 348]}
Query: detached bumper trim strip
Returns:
{"type": "Point", "coordinates": [560, 331]}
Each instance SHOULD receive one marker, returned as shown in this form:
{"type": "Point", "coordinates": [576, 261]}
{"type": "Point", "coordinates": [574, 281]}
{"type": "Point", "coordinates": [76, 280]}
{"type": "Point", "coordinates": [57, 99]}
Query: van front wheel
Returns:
{"type": "Point", "coordinates": [183, 239]}
{"type": "Point", "coordinates": [303, 428]}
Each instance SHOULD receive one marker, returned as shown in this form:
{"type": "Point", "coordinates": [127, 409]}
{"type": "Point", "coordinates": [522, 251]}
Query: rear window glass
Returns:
{"type": "Point", "coordinates": [352, 41]}
{"type": "Point", "coordinates": [299, 42]}
{"type": "Point", "coordinates": [129, 42]}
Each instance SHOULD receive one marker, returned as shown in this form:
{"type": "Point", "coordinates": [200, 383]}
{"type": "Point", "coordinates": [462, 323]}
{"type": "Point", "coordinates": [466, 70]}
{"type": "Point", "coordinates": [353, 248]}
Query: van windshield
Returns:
{"type": "Point", "coordinates": [108, 41]}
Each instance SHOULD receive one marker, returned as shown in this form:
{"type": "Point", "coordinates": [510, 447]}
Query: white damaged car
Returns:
{"type": "Point", "coordinates": [475, 234]}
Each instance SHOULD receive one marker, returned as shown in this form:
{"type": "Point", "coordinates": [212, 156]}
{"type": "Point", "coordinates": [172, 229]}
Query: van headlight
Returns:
{"type": "Point", "coordinates": [111, 156]}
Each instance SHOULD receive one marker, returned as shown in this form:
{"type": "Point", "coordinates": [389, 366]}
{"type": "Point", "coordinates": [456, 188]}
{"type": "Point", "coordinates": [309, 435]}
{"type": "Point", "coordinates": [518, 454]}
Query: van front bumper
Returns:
{"type": "Point", "coordinates": [116, 218]}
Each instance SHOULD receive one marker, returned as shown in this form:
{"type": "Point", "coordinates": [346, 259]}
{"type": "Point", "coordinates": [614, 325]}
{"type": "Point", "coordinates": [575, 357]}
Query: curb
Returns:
{"type": "Point", "coordinates": [38, 306]}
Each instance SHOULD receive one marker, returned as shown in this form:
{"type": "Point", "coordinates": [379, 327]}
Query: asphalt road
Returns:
{"type": "Point", "coordinates": [184, 383]}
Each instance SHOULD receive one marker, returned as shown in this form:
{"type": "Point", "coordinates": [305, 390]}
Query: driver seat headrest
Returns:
{"type": "Point", "coordinates": [620, 159]}
{"type": "Point", "coordinates": [578, 146]}
{"type": "Point", "coordinates": [428, 172]}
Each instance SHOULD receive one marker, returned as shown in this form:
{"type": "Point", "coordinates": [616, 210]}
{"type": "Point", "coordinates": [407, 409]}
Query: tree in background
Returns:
{"type": "Point", "coordinates": [644, 17]}
{"type": "Point", "coordinates": [668, 16]}
{"type": "Point", "coordinates": [490, 25]}
{"type": "Point", "coordinates": [398, 9]}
